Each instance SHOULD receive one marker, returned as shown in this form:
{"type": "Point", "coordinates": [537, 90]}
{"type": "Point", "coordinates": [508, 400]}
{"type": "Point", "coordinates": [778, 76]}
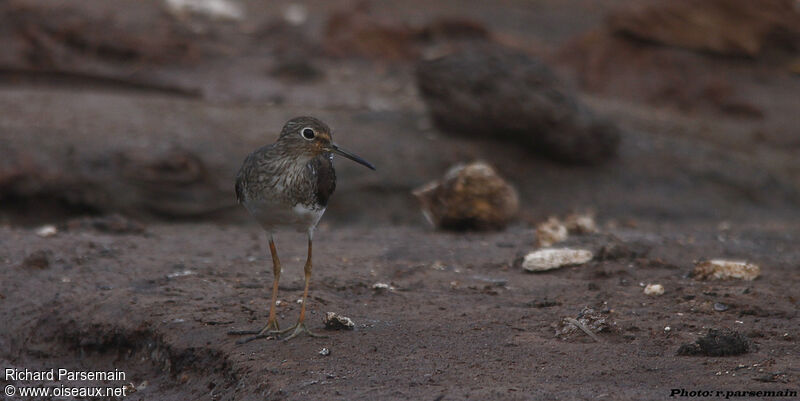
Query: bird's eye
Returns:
{"type": "Point", "coordinates": [308, 133]}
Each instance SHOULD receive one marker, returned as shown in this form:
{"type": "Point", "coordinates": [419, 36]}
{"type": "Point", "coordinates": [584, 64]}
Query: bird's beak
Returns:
{"type": "Point", "coordinates": [346, 153]}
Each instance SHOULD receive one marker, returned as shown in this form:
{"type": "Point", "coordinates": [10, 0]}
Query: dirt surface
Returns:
{"type": "Point", "coordinates": [127, 141]}
{"type": "Point", "coordinates": [461, 322]}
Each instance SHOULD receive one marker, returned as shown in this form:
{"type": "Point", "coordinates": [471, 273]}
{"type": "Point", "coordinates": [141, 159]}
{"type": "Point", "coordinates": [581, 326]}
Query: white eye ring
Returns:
{"type": "Point", "coordinates": [308, 133]}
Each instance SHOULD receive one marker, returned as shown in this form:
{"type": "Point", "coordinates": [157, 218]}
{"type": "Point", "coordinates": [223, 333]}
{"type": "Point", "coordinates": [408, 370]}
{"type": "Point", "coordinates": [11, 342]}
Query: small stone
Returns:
{"type": "Point", "coordinates": [718, 343]}
{"type": "Point", "coordinates": [382, 287]}
{"type": "Point", "coordinates": [469, 197]}
{"type": "Point", "coordinates": [38, 259]}
{"type": "Point", "coordinates": [589, 319]}
{"type": "Point", "coordinates": [216, 9]}
{"type": "Point", "coordinates": [581, 223]}
{"type": "Point", "coordinates": [553, 258]}
{"type": "Point", "coordinates": [181, 273]}
{"type": "Point", "coordinates": [46, 231]}
{"type": "Point", "coordinates": [654, 289]}
{"type": "Point", "coordinates": [334, 321]}
{"type": "Point", "coordinates": [719, 269]}
{"type": "Point", "coordinates": [325, 352]}
{"type": "Point", "coordinates": [550, 232]}
{"type": "Point", "coordinates": [720, 307]}
{"type": "Point", "coordinates": [295, 14]}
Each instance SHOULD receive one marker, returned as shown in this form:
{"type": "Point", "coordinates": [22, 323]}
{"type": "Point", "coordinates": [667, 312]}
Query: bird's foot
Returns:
{"type": "Point", "coordinates": [270, 330]}
{"type": "Point", "coordinates": [300, 328]}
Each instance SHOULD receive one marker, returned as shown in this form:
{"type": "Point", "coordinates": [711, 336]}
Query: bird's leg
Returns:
{"type": "Point", "coordinates": [300, 327]}
{"type": "Point", "coordinates": [272, 322]}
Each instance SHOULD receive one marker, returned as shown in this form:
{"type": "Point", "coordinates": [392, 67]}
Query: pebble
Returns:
{"type": "Point", "coordinates": [719, 269]}
{"type": "Point", "coordinates": [334, 321]}
{"type": "Point", "coordinates": [46, 231]}
{"type": "Point", "coordinates": [551, 231]}
{"type": "Point", "coordinates": [654, 289]}
{"type": "Point", "coordinates": [553, 258]}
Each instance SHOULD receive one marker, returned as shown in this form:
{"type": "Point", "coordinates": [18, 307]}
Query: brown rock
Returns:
{"type": "Point", "coordinates": [469, 197]}
{"type": "Point", "coordinates": [728, 27]}
{"type": "Point", "coordinates": [718, 343]}
{"type": "Point", "coordinates": [37, 259]}
{"type": "Point", "coordinates": [335, 321]}
{"type": "Point", "coordinates": [91, 34]}
{"type": "Point", "coordinates": [719, 269]}
{"type": "Point", "coordinates": [667, 53]}
{"type": "Point", "coordinates": [551, 231]}
{"type": "Point", "coordinates": [491, 91]}
{"type": "Point", "coordinates": [356, 32]}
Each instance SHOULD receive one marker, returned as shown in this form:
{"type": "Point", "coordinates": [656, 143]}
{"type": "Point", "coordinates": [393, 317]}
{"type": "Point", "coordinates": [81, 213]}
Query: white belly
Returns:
{"type": "Point", "coordinates": [274, 216]}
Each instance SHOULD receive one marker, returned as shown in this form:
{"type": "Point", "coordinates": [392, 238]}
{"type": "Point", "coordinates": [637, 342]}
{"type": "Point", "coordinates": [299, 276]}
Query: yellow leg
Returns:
{"type": "Point", "coordinates": [300, 327]}
{"type": "Point", "coordinates": [272, 322]}
{"type": "Point", "coordinates": [271, 329]}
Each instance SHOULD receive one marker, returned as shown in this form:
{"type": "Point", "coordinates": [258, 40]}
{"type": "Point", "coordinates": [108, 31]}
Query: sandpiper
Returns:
{"type": "Point", "coordinates": [287, 185]}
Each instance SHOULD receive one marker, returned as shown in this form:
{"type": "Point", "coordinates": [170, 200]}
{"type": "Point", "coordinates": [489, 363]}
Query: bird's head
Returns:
{"type": "Point", "coordinates": [312, 137]}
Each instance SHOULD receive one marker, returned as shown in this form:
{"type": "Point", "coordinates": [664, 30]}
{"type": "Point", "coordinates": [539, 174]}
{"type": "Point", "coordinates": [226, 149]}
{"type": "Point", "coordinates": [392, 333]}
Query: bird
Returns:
{"type": "Point", "coordinates": [287, 185]}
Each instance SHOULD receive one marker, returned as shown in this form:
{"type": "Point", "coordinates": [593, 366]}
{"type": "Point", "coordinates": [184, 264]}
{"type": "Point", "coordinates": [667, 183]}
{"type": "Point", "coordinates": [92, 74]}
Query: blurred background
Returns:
{"type": "Point", "coordinates": [633, 109]}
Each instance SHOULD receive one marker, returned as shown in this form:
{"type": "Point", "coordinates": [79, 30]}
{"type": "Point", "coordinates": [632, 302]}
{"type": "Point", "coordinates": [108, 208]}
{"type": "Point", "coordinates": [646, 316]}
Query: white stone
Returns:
{"type": "Point", "coordinates": [221, 9]}
{"type": "Point", "coordinates": [46, 231]}
{"type": "Point", "coordinates": [553, 258]}
{"type": "Point", "coordinates": [719, 269]}
{"type": "Point", "coordinates": [654, 289]}
{"type": "Point", "coordinates": [551, 232]}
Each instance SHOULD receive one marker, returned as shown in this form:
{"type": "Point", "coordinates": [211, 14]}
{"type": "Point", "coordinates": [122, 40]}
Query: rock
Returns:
{"type": "Point", "coordinates": [741, 28]}
{"type": "Point", "coordinates": [357, 32]}
{"type": "Point", "coordinates": [662, 53]}
{"type": "Point", "coordinates": [325, 352]}
{"type": "Point", "coordinates": [45, 231]}
{"type": "Point", "coordinates": [589, 321]}
{"type": "Point", "coordinates": [37, 260]}
{"type": "Point", "coordinates": [555, 230]}
{"type": "Point", "coordinates": [490, 91]}
{"type": "Point", "coordinates": [578, 223]}
{"type": "Point", "coordinates": [334, 321]}
{"type": "Point", "coordinates": [615, 249]}
{"type": "Point", "coordinates": [551, 232]}
{"type": "Point", "coordinates": [717, 343]}
{"type": "Point", "coordinates": [90, 36]}
{"type": "Point", "coordinates": [381, 287]}
{"type": "Point", "coordinates": [214, 9]}
{"type": "Point", "coordinates": [469, 197]}
{"type": "Point", "coordinates": [548, 259]}
{"type": "Point", "coordinates": [654, 289]}
{"type": "Point", "coordinates": [719, 269]}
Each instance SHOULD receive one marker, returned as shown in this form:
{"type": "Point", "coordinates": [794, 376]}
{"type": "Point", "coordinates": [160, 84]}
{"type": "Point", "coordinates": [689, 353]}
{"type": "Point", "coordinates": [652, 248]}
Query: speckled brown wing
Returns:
{"type": "Point", "coordinates": [326, 178]}
{"type": "Point", "coordinates": [241, 177]}
{"type": "Point", "coordinates": [239, 187]}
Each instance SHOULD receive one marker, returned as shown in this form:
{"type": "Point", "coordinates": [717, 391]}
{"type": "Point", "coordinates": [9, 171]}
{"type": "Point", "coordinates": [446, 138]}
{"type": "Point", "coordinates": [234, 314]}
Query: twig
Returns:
{"type": "Point", "coordinates": [582, 327]}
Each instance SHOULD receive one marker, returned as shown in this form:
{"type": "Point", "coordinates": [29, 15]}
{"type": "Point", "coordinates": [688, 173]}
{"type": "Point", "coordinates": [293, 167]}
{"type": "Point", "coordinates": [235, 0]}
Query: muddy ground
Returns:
{"type": "Point", "coordinates": [129, 146]}
{"type": "Point", "coordinates": [461, 322]}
